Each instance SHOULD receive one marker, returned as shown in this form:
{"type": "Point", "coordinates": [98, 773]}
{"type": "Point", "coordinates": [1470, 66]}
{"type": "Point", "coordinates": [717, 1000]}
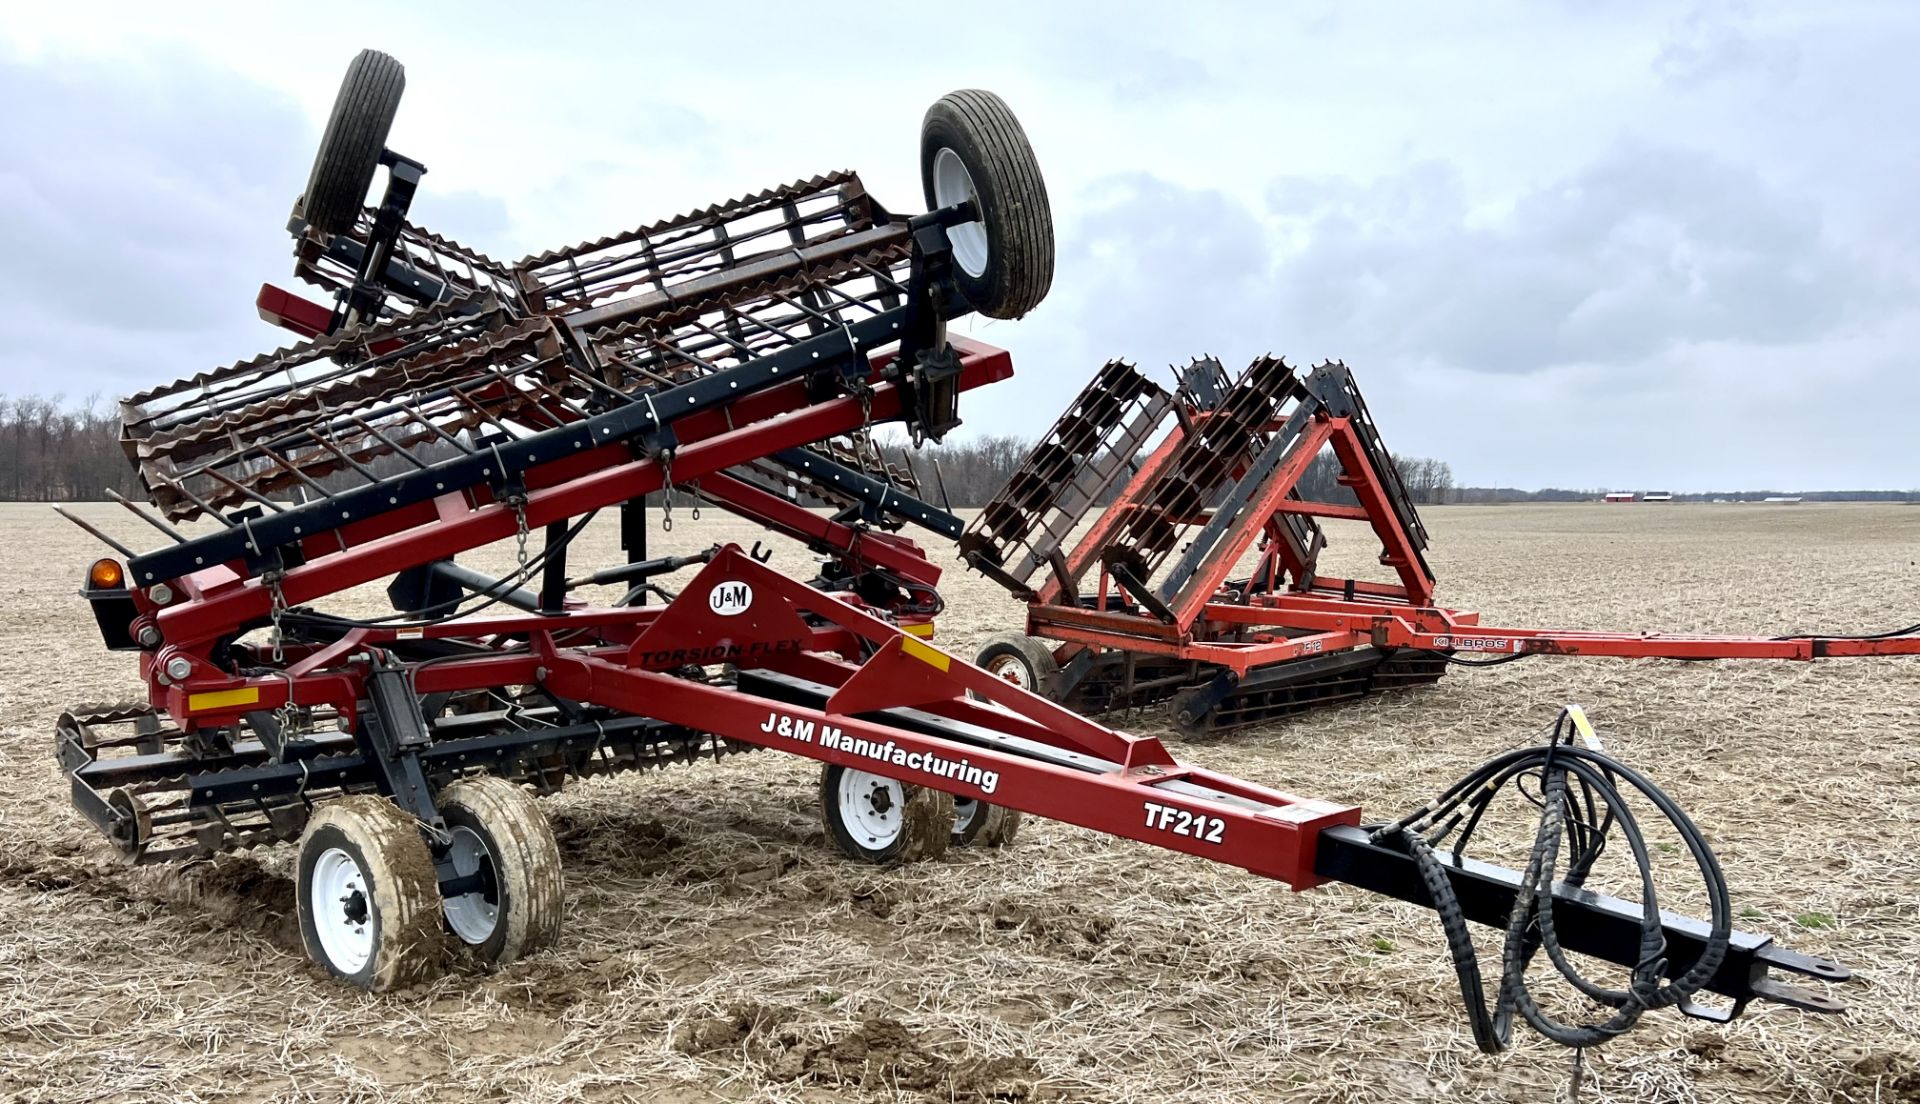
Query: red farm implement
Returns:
{"type": "Point", "coordinates": [1200, 583]}
{"type": "Point", "coordinates": [448, 401]}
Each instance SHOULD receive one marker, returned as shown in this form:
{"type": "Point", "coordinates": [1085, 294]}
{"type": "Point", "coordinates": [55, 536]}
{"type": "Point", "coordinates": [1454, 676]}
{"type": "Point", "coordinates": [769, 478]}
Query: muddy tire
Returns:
{"type": "Point", "coordinates": [350, 147]}
{"type": "Point", "coordinates": [496, 824]}
{"type": "Point", "coordinates": [978, 823]}
{"type": "Point", "coordinates": [1022, 661]}
{"type": "Point", "coordinates": [972, 148]}
{"type": "Point", "coordinates": [368, 901]}
{"type": "Point", "coordinates": [882, 820]}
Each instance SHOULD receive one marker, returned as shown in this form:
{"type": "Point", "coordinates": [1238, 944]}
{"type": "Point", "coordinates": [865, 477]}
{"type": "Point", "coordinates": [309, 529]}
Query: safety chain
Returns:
{"type": "Point", "coordinates": [519, 504]}
{"type": "Point", "coordinates": [666, 491]}
{"type": "Point", "coordinates": [864, 393]}
{"type": "Point", "coordinates": [288, 718]}
{"type": "Point", "coordinates": [276, 611]}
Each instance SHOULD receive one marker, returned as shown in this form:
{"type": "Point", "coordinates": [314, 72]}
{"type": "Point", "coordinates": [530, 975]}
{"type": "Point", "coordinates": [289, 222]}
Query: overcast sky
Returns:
{"type": "Point", "coordinates": [1583, 244]}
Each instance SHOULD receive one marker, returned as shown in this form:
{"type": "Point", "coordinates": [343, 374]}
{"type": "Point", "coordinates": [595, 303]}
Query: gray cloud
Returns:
{"type": "Point", "coordinates": [1654, 312]}
{"type": "Point", "coordinates": [143, 210]}
{"type": "Point", "coordinates": [1442, 200]}
{"type": "Point", "coordinates": [1647, 248]}
{"type": "Point", "coordinates": [1706, 46]}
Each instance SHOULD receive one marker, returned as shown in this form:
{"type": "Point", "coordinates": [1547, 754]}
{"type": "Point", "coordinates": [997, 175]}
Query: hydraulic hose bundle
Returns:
{"type": "Point", "coordinates": [1580, 792]}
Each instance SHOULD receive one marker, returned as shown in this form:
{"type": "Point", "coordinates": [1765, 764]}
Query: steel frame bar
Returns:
{"type": "Point", "coordinates": [559, 489]}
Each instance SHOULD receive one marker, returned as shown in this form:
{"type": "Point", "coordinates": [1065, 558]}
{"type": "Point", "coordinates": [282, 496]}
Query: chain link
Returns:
{"type": "Point", "coordinates": [666, 491]}
{"type": "Point", "coordinates": [519, 504]}
{"type": "Point", "coordinates": [288, 718]}
{"type": "Point", "coordinates": [276, 611]}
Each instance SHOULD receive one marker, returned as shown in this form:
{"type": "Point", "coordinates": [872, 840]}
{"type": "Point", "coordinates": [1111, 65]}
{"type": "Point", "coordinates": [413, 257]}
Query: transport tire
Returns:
{"type": "Point", "coordinates": [496, 825]}
{"type": "Point", "coordinates": [368, 901]}
{"type": "Point", "coordinates": [972, 148]}
{"type": "Point", "coordinates": [350, 147]}
{"type": "Point", "coordinates": [978, 823]}
{"type": "Point", "coordinates": [882, 820]}
{"type": "Point", "coordinates": [1022, 661]}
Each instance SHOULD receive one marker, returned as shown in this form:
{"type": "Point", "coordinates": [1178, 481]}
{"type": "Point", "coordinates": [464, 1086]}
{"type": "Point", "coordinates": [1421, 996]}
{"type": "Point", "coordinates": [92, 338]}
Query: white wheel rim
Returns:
{"type": "Point", "coordinates": [953, 185]}
{"type": "Point", "coordinates": [964, 810]}
{"type": "Point", "coordinates": [872, 807]}
{"type": "Point", "coordinates": [341, 904]}
{"type": "Point", "coordinates": [471, 916]}
{"type": "Point", "coordinates": [1011, 669]}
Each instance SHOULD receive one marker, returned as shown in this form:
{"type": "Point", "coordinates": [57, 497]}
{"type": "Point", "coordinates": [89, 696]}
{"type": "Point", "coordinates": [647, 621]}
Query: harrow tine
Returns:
{"type": "Point", "coordinates": [389, 442]}
{"type": "Point", "coordinates": [294, 470]}
{"type": "Point", "coordinates": [216, 474]}
{"type": "Point", "coordinates": [328, 444]}
{"type": "Point", "coordinates": [207, 508]}
{"type": "Point", "coordinates": [157, 523]}
{"type": "Point", "coordinates": [940, 480]}
{"type": "Point", "coordinates": [96, 534]}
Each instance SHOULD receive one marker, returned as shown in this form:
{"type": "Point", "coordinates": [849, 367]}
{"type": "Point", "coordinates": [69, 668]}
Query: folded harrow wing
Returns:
{"type": "Point", "coordinates": [511, 400]}
{"type": "Point", "coordinates": [1200, 581]}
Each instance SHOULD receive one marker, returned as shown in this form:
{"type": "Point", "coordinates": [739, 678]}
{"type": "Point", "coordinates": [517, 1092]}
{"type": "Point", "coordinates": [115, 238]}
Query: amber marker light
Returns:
{"type": "Point", "coordinates": [106, 575]}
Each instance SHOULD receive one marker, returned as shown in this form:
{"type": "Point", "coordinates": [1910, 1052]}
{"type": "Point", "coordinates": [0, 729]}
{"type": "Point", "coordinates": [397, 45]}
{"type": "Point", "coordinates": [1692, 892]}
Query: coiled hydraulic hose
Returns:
{"type": "Point", "coordinates": [1581, 797]}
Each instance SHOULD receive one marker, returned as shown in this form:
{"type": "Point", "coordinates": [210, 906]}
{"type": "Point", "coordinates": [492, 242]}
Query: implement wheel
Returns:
{"type": "Point", "coordinates": [977, 823]}
{"type": "Point", "coordinates": [369, 903]}
{"type": "Point", "coordinates": [1022, 661]}
{"type": "Point", "coordinates": [972, 149]}
{"type": "Point", "coordinates": [498, 831]}
{"type": "Point", "coordinates": [1188, 717]}
{"type": "Point", "coordinates": [350, 148]}
{"type": "Point", "coordinates": [882, 820]}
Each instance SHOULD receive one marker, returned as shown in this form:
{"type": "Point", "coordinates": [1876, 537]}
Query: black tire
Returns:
{"type": "Point", "coordinates": [350, 147]}
{"type": "Point", "coordinates": [1023, 661]}
{"type": "Point", "coordinates": [978, 823]}
{"type": "Point", "coordinates": [981, 132]}
{"type": "Point", "coordinates": [497, 822]}
{"type": "Point", "coordinates": [916, 822]}
{"type": "Point", "coordinates": [391, 891]}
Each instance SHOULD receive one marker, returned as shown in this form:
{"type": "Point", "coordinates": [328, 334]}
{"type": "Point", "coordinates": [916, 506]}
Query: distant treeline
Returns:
{"type": "Point", "coordinates": [54, 451]}
{"type": "Point", "coordinates": [1560, 494]}
{"type": "Point", "coordinates": [971, 472]}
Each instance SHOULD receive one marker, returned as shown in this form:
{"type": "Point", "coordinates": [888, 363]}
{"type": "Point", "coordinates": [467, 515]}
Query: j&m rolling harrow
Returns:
{"type": "Point", "coordinates": [1199, 583]}
{"type": "Point", "coordinates": [446, 401]}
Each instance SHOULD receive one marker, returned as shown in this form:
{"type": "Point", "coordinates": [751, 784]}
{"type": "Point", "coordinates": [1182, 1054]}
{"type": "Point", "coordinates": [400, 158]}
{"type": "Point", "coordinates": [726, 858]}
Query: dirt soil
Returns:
{"type": "Point", "coordinates": [718, 951]}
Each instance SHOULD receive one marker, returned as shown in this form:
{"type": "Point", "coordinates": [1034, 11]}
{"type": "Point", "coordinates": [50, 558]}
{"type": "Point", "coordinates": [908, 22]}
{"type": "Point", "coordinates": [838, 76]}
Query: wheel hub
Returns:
{"type": "Point", "coordinates": [472, 916]}
{"type": "Point", "coordinates": [953, 185]}
{"type": "Point", "coordinates": [342, 910]}
{"type": "Point", "coordinates": [870, 805]}
{"type": "Point", "coordinates": [1009, 669]}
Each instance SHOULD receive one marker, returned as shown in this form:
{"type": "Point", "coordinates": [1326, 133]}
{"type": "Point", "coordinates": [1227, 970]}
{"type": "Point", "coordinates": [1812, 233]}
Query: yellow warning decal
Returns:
{"type": "Point", "coordinates": [223, 699]}
{"type": "Point", "coordinates": [1580, 723]}
{"type": "Point", "coordinates": [925, 653]}
{"type": "Point", "coordinates": [923, 630]}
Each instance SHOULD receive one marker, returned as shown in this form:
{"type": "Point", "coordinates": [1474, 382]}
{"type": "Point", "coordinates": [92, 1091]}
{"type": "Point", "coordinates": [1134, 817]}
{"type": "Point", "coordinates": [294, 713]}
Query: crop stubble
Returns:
{"type": "Point", "coordinates": [716, 950]}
